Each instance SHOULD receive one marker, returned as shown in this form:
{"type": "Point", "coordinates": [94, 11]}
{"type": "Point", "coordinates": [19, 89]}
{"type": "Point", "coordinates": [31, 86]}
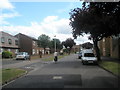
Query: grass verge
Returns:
{"type": "Point", "coordinates": [113, 67]}
{"type": "Point", "coordinates": [52, 57]}
{"type": "Point", "coordinates": [10, 74]}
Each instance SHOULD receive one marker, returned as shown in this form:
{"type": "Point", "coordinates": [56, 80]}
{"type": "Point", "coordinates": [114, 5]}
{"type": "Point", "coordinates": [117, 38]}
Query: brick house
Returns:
{"type": "Point", "coordinates": [8, 43]}
{"type": "Point", "coordinates": [76, 48]}
{"type": "Point", "coordinates": [28, 44]}
{"type": "Point", "coordinates": [110, 46]}
{"type": "Point", "coordinates": [115, 47]}
{"type": "Point", "coordinates": [87, 45]}
{"type": "Point", "coordinates": [104, 46]}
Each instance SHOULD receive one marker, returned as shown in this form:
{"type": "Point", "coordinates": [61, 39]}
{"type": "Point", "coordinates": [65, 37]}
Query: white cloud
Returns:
{"type": "Point", "coordinates": [5, 4]}
{"type": "Point", "coordinates": [50, 26]}
{"type": "Point", "coordinates": [9, 15]}
{"type": "Point", "coordinates": [50, 19]}
{"type": "Point", "coordinates": [82, 39]}
{"type": "Point", "coordinates": [71, 5]}
{"type": "Point", "coordinates": [4, 16]}
{"type": "Point", "coordinates": [3, 22]}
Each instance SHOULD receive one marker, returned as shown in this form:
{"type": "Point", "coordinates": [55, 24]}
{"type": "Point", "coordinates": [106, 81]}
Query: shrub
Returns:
{"type": "Point", "coordinates": [6, 54]}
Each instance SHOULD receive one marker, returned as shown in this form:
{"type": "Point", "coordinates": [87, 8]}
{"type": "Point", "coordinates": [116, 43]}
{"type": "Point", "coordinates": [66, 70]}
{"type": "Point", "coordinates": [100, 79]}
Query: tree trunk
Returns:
{"type": "Point", "coordinates": [69, 51]}
{"type": "Point", "coordinates": [44, 51]}
{"type": "Point", "coordinates": [97, 50]}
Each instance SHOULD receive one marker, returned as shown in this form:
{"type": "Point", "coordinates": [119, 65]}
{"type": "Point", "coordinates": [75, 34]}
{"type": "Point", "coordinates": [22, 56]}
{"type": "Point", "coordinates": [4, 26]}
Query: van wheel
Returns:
{"type": "Point", "coordinates": [83, 63]}
{"type": "Point", "coordinates": [25, 58]}
{"type": "Point", "coordinates": [96, 63]}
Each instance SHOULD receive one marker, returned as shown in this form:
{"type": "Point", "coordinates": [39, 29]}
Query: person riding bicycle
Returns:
{"type": "Point", "coordinates": [55, 56]}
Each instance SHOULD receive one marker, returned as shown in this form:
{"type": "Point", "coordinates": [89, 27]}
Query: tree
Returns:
{"type": "Point", "coordinates": [99, 19]}
{"type": "Point", "coordinates": [68, 43]}
{"type": "Point", "coordinates": [58, 44]}
{"type": "Point", "coordinates": [43, 41]}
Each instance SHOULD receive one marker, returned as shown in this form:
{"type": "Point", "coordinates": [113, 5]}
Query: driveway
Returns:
{"type": "Point", "coordinates": [68, 72]}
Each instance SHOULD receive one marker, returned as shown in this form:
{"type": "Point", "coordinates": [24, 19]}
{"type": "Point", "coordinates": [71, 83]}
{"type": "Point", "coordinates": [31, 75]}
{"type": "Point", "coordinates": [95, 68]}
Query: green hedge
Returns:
{"type": "Point", "coordinates": [7, 54]}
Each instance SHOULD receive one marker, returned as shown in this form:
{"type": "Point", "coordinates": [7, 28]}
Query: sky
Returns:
{"type": "Point", "coordinates": [36, 18]}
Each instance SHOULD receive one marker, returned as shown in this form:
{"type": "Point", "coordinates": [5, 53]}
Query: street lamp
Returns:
{"type": "Point", "coordinates": [55, 43]}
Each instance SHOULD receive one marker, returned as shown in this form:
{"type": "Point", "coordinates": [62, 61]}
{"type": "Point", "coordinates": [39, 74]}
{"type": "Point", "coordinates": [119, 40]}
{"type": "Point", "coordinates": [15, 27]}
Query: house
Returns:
{"type": "Point", "coordinates": [28, 44]}
{"type": "Point", "coordinates": [8, 43]}
{"type": "Point", "coordinates": [87, 45]}
{"type": "Point", "coordinates": [110, 46]}
{"type": "Point", "coordinates": [115, 47]}
{"type": "Point", "coordinates": [76, 48]}
{"type": "Point", "coordinates": [104, 46]}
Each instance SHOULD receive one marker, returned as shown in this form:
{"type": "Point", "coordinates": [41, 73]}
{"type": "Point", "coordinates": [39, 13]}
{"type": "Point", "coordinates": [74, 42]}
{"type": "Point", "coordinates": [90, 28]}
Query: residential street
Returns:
{"type": "Point", "coordinates": [68, 72]}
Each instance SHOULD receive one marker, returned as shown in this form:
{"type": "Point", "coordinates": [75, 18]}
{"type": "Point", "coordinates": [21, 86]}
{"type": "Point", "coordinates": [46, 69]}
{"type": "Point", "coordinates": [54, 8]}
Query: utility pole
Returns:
{"type": "Point", "coordinates": [55, 43]}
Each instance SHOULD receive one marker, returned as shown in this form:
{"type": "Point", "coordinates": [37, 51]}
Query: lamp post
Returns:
{"type": "Point", "coordinates": [55, 43]}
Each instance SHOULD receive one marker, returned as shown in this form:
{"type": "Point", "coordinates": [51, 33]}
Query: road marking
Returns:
{"type": "Point", "coordinates": [57, 77]}
{"type": "Point", "coordinates": [27, 67]}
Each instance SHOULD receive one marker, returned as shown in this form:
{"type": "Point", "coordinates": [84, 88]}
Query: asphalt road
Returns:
{"type": "Point", "coordinates": [68, 72]}
{"type": "Point", "coordinates": [12, 61]}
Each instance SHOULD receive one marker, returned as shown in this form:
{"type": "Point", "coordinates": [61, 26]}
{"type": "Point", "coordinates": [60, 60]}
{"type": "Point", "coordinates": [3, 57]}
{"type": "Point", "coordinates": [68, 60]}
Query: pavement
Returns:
{"type": "Point", "coordinates": [110, 59]}
{"type": "Point", "coordinates": [12, 63]}
{"type": "Point", "coordinates": [68, 72]}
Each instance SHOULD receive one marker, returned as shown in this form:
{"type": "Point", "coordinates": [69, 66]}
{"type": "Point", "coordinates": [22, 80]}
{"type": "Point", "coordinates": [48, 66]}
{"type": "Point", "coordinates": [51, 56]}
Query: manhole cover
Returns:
{"type": "Point", "coordinates": [57, 77]}
{"type": "Point", "coordinates": [28, 67]}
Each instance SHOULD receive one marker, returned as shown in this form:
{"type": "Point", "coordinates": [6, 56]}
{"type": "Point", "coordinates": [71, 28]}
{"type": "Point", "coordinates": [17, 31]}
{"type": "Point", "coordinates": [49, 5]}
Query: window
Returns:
{"type": "Point", "coordinates": [9, 41]}
{"type": "Point", "coordinates": [9, 50]}
{"type": "Point", "coordinates": [103, 39]}
{"type": "Point", "coordinates": [2, 39]}
{"type": "Point", "coordinates": [37, 51]}
{"type": "Point", "coordinates": [16, 42]}
{"type": "Point", "coordinates": [33, 43]}
{"type": "Point", "coordinates": [1, 50]}
{"type": "Point", "coordinates": [33, 51]}
{"type": "Point", "coordinates": [16, 51]}
{"type": "Point", "coordinates": [88, 55]}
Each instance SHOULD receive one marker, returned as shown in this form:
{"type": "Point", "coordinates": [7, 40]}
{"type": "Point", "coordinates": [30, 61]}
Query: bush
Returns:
{"type": "Point", "coordinates": [6, 54]}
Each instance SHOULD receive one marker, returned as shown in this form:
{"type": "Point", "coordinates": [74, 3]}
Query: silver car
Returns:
{"type": "Point", "coordinates": [22, 55]}
{"type": "Point", "coordinates": [88, 57]}
{"type": "Point", "coordinates": [79, 55]}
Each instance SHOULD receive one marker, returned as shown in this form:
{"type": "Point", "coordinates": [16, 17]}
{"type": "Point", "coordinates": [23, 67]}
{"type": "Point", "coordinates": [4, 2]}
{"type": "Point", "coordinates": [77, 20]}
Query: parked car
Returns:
{"type": "Point", "coordinates": [88, 57]}
{"type": "Point", "coordinates": [79, 55]}
{"type": "Point", "coordinates": [22, 55]}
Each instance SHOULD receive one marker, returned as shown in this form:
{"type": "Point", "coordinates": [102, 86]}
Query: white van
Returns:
{"type": "Point", "coordinates": [88, 57]}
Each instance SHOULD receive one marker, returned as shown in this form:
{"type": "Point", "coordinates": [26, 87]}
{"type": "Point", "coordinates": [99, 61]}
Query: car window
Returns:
{"type": "Point", "coordinates": [89, 55]}
{"type": "Point", "coordinates": [80, 52]}
{"type": "Point", "coordinates": [20, 53]}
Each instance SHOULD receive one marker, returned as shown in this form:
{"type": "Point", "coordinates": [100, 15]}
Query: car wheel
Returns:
{"type": "Point", "coordinates": [25, 58]}
{"type": "Point", "coordinates": [96, 63]}
{"type": "Point", "coordinates": [83, 63]}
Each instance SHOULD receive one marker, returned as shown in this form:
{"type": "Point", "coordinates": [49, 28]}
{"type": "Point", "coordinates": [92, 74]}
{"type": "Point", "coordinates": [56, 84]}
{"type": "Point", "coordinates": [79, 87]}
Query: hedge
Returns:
{"type": "Point", "coordinates": [7, 54]}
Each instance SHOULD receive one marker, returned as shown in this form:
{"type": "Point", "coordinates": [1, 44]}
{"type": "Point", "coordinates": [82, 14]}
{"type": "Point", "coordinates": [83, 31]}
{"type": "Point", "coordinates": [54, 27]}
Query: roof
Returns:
{"type": "Point", "coordinates": [27, 36]}
{"type": "Point", "coordinates": [8, 34]}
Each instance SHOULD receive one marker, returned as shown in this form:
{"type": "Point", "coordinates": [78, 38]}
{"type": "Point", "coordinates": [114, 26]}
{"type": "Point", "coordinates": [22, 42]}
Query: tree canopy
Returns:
{"type": "Point", "coordinates": [43, 41]}
{"type": "Point", "coordinates": [99, 19]}
{"type": "Point", "coordinates": [58, 44]}
{"type": "Point", "coordinates": [68, 43]}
